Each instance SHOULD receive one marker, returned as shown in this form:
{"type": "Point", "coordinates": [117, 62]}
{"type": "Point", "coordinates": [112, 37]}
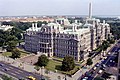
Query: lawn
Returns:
{"type": "Point", "coordinates": [23, 53]}
{"type": "Point", "coordinates": [7, 54]}
{"type": "Point", "coordinates": [55, 65]}
{"type": "Point", "coordinates": [52, 65]}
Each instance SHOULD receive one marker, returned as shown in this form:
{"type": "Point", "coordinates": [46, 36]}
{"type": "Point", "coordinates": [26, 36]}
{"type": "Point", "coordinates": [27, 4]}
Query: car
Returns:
{"type": "Point", "coordinates": [105, 57]}
{"type": "Point", "coordinates": [91, 72]}
{"type": "Point", "coordinates": [88, 74]}
{"type": "Point", "coordinates": [100, 71]}
{"type": "Point", "coordinates": [100, 59]}
{"type": "Point", "coordinates": [110, 60]}
{"type": "Point", "coordinates": [1, 64]}
{"type": "Point", "coordinates": [103, 65]}
{"type": "Point", "coordinates": [97, 64]}
{"type": "Point", "coordinates": [85, 78]}
{"type": "Point", "coordinates": [94, 68]}
{"type": "Point", "coordinates": [31, 78]}
{"type": "Point", "coordinates": [102, 68]}
{"type": "Point", "coordinates": [5, 69]}
{"type": "Point", "coordinates": [109, 53]}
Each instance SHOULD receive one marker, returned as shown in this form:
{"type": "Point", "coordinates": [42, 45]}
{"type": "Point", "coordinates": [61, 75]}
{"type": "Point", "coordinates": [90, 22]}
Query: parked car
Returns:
{"type": "Point", "coordinates": [94, 68]}
{"type": "Point", "coordinates": [100, 71]}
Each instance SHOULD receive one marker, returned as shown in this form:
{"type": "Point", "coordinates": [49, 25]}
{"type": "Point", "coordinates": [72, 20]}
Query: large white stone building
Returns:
{"type": "Point", "coordinates": [62, 38]}
{"type": "Point", "coordinates": [75, 39]}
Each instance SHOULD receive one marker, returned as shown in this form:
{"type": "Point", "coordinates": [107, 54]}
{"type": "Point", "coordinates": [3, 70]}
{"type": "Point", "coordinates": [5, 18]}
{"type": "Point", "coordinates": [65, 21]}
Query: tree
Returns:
{"type": "Point", "coordinates": [105, 45]}
{"type": "Point", "coordinates": [89, 62]}
{"type": "Point", "coordinates": [68, 63]}
{"type": "Point", "coordinates": [4, 77]}
{"type": "Point", "coordinates": [15, 53]}
{"type": "Point", "coordinates": [43, 60]}
{"type": "Point", "coordinates": [11, 45]}
{"type": "Point", "coordinates": [37, 68]}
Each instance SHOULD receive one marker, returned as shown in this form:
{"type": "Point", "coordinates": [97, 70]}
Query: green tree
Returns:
{"type": "Point", "coordinates": [43, 60]}
{"type": "Point", "coordinates": [15, 53]}
{"type": "Point", "coordinates": [4, 77]}
{"type": "Point", "coordinates": [68, 63]}
{"type": "Point", "coordinates": [89, 62]}
{"type": "Point", "coordinates": [11, 45]}
{"type": "Point", "coordinates": [1, 42]}
{"type": "Point", "coordinates": [37, 68]}
{"type": "Point", "coordinates": [105, 45]}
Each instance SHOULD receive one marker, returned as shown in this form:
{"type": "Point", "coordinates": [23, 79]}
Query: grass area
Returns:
{"type": "Point", "coordinates": [98, 49]}
{"type": "Point", "coordinates": [23, 53]}
{"type": "Point", "coordinates": [55, 65]}
{"type": "Point", "coordinates": [52, 65]}
{"type": "Point", "coordinates": [7, 54]}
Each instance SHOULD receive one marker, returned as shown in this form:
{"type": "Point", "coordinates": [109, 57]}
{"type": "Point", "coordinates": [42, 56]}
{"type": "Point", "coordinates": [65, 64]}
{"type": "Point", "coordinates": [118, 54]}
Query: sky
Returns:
{"type": "Point", "coordinates": [58, 7]}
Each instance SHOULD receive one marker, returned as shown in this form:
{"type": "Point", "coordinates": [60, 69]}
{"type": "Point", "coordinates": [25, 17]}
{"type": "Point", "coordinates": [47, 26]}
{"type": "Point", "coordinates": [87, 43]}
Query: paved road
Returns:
{"type": "Point", "coordinates": [109, 61]}
{"type": "Point", "coordinates": [17, 72]}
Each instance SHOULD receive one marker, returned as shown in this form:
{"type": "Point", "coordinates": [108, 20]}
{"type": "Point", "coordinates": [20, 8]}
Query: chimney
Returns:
{"type": "Point", "coordinates": [90, 10]}
{"type": "Point", "coordinates": [0, 23]}
{"type": "Point", "coordinates": [33, 26]}
{"type": "Point", "coordinates": [76, 21]}
{"type": "Point", "coordinates": [103, 21]}
{"type": "Point", "coordinates": [73, 29]}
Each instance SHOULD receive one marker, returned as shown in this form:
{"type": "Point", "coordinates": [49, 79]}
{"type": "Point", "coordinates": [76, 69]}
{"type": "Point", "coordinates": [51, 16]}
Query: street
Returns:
{"type": "Point", "coordinates": [17, 72]}
{"type": "Point", "coordinates": [108, 61]}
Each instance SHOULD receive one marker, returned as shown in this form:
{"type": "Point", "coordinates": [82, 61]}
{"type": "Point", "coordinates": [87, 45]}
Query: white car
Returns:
{"type": "Point", "coordinates": [98, 65]}
{"type": "Point", "coordinates": [110, 60]}
{"type": "Point", "coordinates": [94, 68]}
{"type": "Point", "coordinates": [100, 71]}
{"type": "Point", "coordinates": [109, 53]}
{"type": "Point", "coordinates": [85, 78]}
{"type": "Point", "coordinates": [105, 57]}
{"type": "Point", "coordinates": [104, 65]}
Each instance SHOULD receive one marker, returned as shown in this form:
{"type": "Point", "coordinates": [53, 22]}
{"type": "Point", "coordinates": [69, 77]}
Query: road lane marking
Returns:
{"type": "Point", "coordinates": [13, 73]}
{"type": "Point", "coordinates": [17, 72]}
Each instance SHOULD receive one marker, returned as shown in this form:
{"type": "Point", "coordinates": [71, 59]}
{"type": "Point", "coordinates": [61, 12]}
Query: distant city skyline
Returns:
{"type": "Point", "coordinates": [58, 7]}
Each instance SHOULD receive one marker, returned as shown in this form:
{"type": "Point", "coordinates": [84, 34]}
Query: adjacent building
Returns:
{"type": "Point", "coordinates": [5, 27]}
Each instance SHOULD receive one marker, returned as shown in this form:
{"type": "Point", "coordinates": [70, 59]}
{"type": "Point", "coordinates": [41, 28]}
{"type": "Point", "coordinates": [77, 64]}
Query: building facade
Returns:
{"type": "Point", "coordinates": [76, 39]}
